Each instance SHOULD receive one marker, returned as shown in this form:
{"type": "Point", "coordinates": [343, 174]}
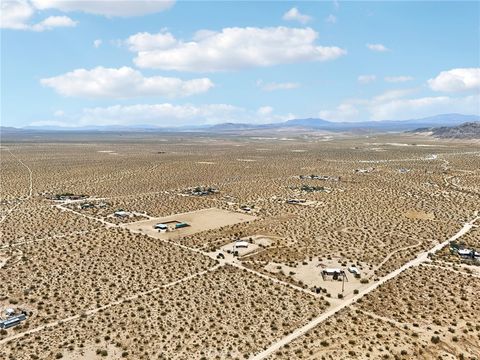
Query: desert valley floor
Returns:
{"type": "Point", "coordinates": [288, 247]}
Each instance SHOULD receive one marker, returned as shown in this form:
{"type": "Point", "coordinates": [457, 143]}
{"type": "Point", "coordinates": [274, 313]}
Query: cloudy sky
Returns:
{"type": "Point", "coordinates": [82, 63]}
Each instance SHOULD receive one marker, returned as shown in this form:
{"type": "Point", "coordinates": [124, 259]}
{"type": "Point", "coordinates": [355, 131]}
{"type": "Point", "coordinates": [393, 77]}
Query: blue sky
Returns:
{"type": "Point", "coordinates": [76, 63]}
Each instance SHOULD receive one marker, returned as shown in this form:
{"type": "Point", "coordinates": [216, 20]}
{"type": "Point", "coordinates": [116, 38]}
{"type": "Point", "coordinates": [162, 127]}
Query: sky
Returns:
{"type": "Point", "coordinates": [165, 63]}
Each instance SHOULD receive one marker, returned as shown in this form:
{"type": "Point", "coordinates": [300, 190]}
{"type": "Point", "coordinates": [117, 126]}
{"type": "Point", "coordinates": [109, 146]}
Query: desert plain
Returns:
{"type": "Point", "coordinates": [288, 247]}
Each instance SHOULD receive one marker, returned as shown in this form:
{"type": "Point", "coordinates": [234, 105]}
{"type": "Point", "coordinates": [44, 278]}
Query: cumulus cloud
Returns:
{"type": "Point", "coordinates": [97, 43]}
{"type": "Point", "coordinates": [455, 80]}
{"type": "Point", "coordinates": [145, 41]}
{"type": "Point", "coordinates": [123, 82]}
{"type": "Point", "coordinates": [377, 47]}
{"type": "Point", "coordinates": [424, 106]}
{"type": "Point", "coordinates": [17, 14]}
{"type": "Point", "coordinates": [165, 114]}
{"type": "Point", "coordinates": [231, 49]}
{"type": "Point", "coordinates": [398, 79]}
{"type": "Point", "coordinates": [273, 86]}
{"type": "Point", "coordinates": [53, 22]}
{"type": "Point", "coordinates": [294, 15]}
{"type": "Point", "coordinates": [400, 104]}
{"type": "Point", "coordinates": [123, 8]}
{"type": "Point", "coordinates": [366, 79]}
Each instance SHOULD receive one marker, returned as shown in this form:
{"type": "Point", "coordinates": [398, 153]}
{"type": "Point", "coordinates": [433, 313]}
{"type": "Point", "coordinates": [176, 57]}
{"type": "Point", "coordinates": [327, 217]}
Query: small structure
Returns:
{"type": "Point", "coordinates": [181, 225]}
{"type": "Point", "coordinates": [241, 244]}
{"type": "Point", "coordinates": [12, 321]}
{"type": "Point", "coordinates": [334, 273]}
{"type": "Point", "coordinates": [9, 312]}
{"type": "Point", "coordinates": [320, 177]}
{"type": "Point", "coordinates": [364, 171]}
{"type": "Point", "coordinates": [160, 227]}
{"type": "Point", "coordinates": [354, 270]}
{"type": "Point", "coordinates": [121, 213]}
{"type": "Point", "coordinates": [468, 253]}
{"type": "Point", "coordinates": [296, 201]}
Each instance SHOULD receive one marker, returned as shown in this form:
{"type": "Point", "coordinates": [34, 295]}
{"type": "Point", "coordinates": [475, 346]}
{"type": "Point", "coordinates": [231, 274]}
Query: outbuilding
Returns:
{"type": "Point", "coordinates": [121, 213]}
{"type": "Point", "coordinates": [354, 270]}
{"type": "Point", "coordinates": [241, 244]}
{"type": "Point", "coordinates": [161, 227]}
{"type": "Point", "coordinates": [13, 321]}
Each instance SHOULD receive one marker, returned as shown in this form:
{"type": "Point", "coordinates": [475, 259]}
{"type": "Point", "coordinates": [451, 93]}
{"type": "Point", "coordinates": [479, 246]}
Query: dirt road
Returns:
{"type": "Point", "coordinates": [421, 258]}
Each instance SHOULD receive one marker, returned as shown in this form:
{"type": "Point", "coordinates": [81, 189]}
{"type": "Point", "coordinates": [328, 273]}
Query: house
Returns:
{"type": "Point", "coordinates": [241, 244]}
{"type": "Point", "coordinates": [121, 213]}
{"type": "Point", "coordinates": [13, 321]}
{"type": "Point", "coordinates": [160, 227]}
{"type": "Point", "coordinates": [335, 273]}
{"type": "Point", "coordinates": [468, 253]}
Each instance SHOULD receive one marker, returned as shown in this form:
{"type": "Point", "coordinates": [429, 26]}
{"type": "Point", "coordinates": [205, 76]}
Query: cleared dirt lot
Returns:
{"type": "Point", "coordinates": [198, 221]}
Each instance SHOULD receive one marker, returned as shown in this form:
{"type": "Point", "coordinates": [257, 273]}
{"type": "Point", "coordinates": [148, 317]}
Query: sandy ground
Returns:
{"type": "Point", "coordinates": [199, 220]}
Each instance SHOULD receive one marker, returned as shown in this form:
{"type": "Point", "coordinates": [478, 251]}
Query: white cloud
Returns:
{"type": "Point", "coordinates": [366, 79]}
{"type": "Point", "coordinates": [235, 48]}
{"type": "Point", "coordinates": [53, 22]}
{"type": "Point", "coordinates": [331, 19]}
{"type": "Point", "coordinates": [398, 79]}
{"type": "Point", "coordinates": [393, 94]}
{"type": "Point", "coordinates": [265, 110]}
{"type": "Point", "coordinates": [123, 82]}
{"type": "Point", "coordinates": [423, 107]}
{"type": "Point", "coordinates": [165, 114]}
{"type": "Point", "coordinates": [377, 47]}
{"type": "Point", "coordinates": [97, 43]}
{"type": "Point", "coordinates": [146, 41]}
{"type": "Point", "coordinates": [273, 86]}
{"type": "Point", "coordinates": [294, 15]}
{"type": "Point", "coordinates": [455, 80]}
{"type": "Point", "coordinates": [399, 104]}
{"type": "Point", "coordinates": [17, 14]}
{"type": "Point", "coordinates": [123, 8]}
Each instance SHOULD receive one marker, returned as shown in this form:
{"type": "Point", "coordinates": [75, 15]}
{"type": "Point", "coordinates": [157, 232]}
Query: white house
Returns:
{"type": "Point", "coordinates": [241, 244]}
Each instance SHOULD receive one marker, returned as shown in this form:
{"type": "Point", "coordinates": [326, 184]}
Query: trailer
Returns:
{"type": "Point", "coordinates": [13, 321]}
{"type": "Point", "coordinates": [181, 225]}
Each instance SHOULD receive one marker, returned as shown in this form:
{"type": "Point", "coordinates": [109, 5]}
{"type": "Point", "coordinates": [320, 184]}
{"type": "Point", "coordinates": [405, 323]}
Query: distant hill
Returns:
{"type": "Point", "coordinates": [468, 130]}
{"type": "Point", "coordinates": [295, 125]}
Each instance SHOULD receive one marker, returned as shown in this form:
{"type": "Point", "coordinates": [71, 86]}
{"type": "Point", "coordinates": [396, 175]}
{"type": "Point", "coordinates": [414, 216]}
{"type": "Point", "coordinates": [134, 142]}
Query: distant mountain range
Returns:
{"type": "Point", "coordinates": [380, 126]}
{"type": "Point", "coordinates": [297, 125]}
{"type": "Point", "coordinates": [469, 130]}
